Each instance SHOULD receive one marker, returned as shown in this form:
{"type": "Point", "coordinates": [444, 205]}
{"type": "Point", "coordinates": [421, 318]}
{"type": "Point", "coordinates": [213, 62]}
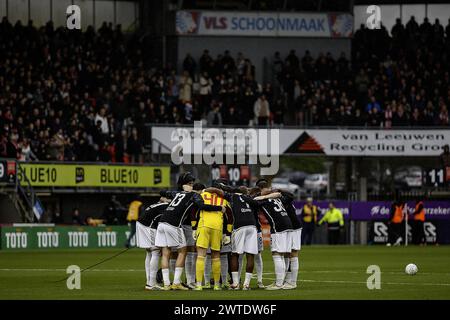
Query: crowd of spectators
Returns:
{"type": "Point", "coordinates": [87, 96]}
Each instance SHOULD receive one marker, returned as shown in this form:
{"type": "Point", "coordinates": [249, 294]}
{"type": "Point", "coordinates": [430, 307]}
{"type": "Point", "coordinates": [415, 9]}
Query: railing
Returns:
{"type": "Point", "coordinates": [25, 195]}
{"type": "Point", "coordinates": [160, 146]}
{"type": "Point", "coordinates": [301, 127]}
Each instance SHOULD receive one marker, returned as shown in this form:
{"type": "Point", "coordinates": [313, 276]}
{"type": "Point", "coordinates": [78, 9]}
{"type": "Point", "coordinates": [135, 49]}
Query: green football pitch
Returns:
{"type": "Point", "coordinates": [326, 272]}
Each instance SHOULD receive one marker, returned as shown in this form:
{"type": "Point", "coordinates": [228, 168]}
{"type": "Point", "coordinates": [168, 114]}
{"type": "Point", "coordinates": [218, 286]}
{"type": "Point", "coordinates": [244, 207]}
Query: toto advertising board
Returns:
{"type": "Point", "coordinates": [63, 237]}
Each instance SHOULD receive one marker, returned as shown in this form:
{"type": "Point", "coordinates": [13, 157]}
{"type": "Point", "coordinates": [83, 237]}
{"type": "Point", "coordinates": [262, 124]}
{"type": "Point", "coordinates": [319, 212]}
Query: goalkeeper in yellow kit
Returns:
{"type": "Point", "coordinates": [211, 229]}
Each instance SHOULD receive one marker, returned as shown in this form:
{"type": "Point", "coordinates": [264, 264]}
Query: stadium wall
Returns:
{"type": "Point", "coordinates": [8, 212]}
{"type": "Point", "coordinates": [403, 11]}
{"type": "Point", "coordinates": [93, 12]}
{"type": "Point", "coordinates": [259, 50]}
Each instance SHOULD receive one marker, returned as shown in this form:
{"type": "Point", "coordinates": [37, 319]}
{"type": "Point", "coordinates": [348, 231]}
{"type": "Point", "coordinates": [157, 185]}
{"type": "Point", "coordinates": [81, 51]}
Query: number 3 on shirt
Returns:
{"type": "Point", "coordinates": [279, 205]}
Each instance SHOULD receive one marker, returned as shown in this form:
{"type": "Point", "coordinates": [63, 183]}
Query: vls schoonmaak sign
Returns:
{"type": "Point", "coordinates": [88, 175]}
{"type": "Point", "coordinates": [264, 24]}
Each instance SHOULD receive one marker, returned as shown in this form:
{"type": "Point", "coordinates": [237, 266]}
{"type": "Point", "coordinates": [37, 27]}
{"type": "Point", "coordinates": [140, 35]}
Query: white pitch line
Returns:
{"type": "Point", "coordinates": [364, 282]}
{"type": "Point", "coordinates": [90, 270]}
{"type": "Point", "coordinates": [265, 273]}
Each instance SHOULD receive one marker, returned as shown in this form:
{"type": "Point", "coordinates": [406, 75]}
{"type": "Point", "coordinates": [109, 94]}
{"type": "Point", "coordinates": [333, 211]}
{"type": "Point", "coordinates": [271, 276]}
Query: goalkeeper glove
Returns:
{"type": "Point", "coordinates": [226, 239]}
{"type": "Point", "coordinates": [194, 234]}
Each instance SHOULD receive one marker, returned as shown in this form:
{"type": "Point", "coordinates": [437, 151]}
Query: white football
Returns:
{"type": "Point", "coordinates": [411, 269]}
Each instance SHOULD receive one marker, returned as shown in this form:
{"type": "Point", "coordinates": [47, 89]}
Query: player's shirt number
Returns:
{"type": "Point", "coordinates": [213, 199]}
{"type": "Point", "coordinates": [177, 200]}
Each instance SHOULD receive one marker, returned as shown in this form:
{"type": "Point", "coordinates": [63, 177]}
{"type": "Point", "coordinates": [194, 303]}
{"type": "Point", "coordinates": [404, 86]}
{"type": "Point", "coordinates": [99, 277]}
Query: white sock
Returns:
{"type": "Point", "coordinates": [208, 269]}
{"type": "Point", "coordinates": [241, 264]}
{"type": "Point", "coordinates": [154, 262]}
{"type": "Point", "coordinates": [148, 258]}
{"type": "Point", "coordinates": [178, 273]}
{"type": "Point", "coordinates": [248, 277]}
{"type": "Point", "coordinates": [235, 276]}
{"type": "Point", "coordinates": [294, 270]}
{"type": "Point", "coordinates": [280, 269]}
{"type": "Point", "coordinates": [172, 263]}
{"type": "Point", "coordinates": [166, 279]}
{"type": "Point", "coordinates": [259, 266]}
{"type": "Point", "coordinates": [288, 273]}
{"type": "Point", "coordinates": [224, 268]}
{"type": "Point", "coordinates": [190, 271]}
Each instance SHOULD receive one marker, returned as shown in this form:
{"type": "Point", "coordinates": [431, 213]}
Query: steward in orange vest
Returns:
{"type": "Point", "coordinates": [418, 232]}
{"type": "Point", "coordinates": [396, 228]}
{"type": "Point", "coordinates": [397, 212]}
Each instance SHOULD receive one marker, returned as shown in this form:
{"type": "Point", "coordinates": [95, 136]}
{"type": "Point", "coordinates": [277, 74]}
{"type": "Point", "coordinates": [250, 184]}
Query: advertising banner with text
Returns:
{"type": "Point", "coordinates": [87, 175]}
{"type": "Point", "coordinates": [330, 142]}
{"type": "Point", "coordinates": [264, 24]}
{"type": "Point", "coordinates": [379, 210]}
{"type": "Point", "coordinates": [63, 237]}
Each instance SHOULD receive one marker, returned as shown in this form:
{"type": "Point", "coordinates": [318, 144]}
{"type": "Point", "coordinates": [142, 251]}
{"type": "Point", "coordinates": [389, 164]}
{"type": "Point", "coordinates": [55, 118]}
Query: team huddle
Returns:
{"type": "Point", "coordinates": [204, 231]}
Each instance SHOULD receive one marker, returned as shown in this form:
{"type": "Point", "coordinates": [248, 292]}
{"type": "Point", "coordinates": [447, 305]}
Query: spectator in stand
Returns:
{"type": "Point", "coordinates": [100, 117]}
{"type": "Point", "coordinates": [76, 218]}
{"type": "Point", "coordinates": [373, 104]}
{"type": "Point", "coordinates": [388, 113]}
{"type": "Point", "coordinates": [231, 117]}
{"type": "Point", "coordinates": [186, 87]}
{"type": "Point", "coordinates": [443, 116]}
{"type": "Point", "coordinates": [214, 117]}
{"type": "Point", "coordinates": [400, 117]}
{"type": "Point", "coordinates": [205, 91]}
{"type": "Point", "coordinates": [189, 65]}
{"type": "Point", "coordinates": [416, 118]}
{"type": "Point", "coordinates": [261, 109]}
{"type": "Point", "coordinates": [25, 151]}
{"type": "Point", "coordinates": [51, 102]}
{"type": "Point", "coordinates": [134, 147]}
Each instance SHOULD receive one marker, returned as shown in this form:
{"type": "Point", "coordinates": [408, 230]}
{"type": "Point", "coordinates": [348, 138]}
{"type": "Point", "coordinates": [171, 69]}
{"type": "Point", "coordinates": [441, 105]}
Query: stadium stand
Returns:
{"type": "Point", "coordinates": [88, 97]}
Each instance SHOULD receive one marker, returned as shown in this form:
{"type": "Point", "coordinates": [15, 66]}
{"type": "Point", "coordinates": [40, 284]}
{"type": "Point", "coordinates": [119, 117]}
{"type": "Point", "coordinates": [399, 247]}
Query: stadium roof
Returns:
{"type": "Point", "coordinates": [268, 5]}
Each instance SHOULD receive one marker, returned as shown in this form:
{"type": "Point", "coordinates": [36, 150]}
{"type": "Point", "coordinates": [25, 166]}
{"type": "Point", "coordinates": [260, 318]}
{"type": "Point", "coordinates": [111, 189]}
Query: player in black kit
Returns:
{"type": "Point", "coordinates": [244, 239]}
{"type": "Point", "coordinates": [145, 238]}
{"type": "Point", "coordinates": [280, 232]}
{"type": "Point", "coordinates": [170, 233]}
{"type": "Point", "coordinates": [287, 198]}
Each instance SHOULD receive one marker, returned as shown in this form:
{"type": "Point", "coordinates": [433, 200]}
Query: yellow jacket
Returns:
{"type": "Point", "coordinates": [333, 216]}
{"type": "Point", "coordinates": [309, 214]}
{"type": "Point", "coordinates": [133, 210]}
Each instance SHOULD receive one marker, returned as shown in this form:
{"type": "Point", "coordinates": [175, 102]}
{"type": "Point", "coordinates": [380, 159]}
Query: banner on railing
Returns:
{"type": "Point", "coordinates": [264, 24]}
{"type": "Point", "coordinates": [330, 142]}
{"type": "Point", "coordinates": [89, 175]}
